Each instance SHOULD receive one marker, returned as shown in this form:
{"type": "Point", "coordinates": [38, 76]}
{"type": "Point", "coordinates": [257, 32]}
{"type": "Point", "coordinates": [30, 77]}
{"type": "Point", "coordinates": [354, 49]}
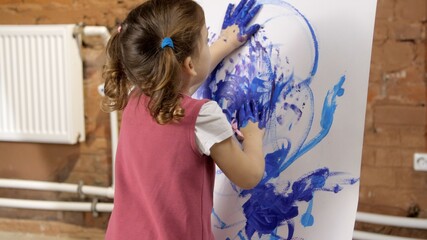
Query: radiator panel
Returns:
{"type": "Point", "coordinates": [41, 84]}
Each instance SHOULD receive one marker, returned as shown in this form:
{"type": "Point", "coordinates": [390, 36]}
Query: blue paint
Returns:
{"type": "Point", "coordinates": [241, 236]}
{"type": "Point", "coordinates": [307, 219]}
{"type": "Point", "coordinates": [275, 236]}
{"type": "Point", "coordinates": [291, 230]}
{"type": "Point", "coordinates": [222, 225]}
{"type": "Point", "coordinates": [308, 24]}
{"type": "Point", "coordinates": [326, 121]}
{"type": "Point", "coordinates": [251, 87]}
{"type": "Point", "coordinates": [273, 161]}
{"type": "Point", "coordinates": [329, 107]}
{"type": "Point", "coordinates": [219, 224]}
{"type": "Point", "coordinates": [267, 209]}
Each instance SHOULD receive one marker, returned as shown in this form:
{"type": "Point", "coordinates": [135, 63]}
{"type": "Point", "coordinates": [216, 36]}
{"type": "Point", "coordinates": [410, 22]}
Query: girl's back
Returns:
{"type": "Point", "coordinates": [163, 184]}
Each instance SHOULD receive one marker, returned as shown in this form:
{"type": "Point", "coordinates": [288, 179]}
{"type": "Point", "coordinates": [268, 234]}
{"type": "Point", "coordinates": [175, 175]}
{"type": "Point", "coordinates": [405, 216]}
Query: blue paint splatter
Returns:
{"type": "Point", "coordinates": [307, 219]}
{"type": "Point", "coordinates": [222, 225]}
{"type": "Point", "coordinates": [267, 209]}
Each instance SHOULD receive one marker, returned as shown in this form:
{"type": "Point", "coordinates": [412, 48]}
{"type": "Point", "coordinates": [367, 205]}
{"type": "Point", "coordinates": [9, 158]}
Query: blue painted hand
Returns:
{"type": "Point", "coordinates": [235, 25]}
{"type": "Point", "coordinates": [253, 111]}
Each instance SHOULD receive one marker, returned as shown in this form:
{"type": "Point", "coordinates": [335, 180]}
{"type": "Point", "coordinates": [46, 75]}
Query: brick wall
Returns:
{"type": "Point", "coordinates": [395, 115]}
{"type": "Point", "coordinates": [395, 125]}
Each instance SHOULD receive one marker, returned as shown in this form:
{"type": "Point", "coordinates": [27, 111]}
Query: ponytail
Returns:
{"type": "Point", "coordinates": [116, 87]}
{"type": "Point", "coordinates": [165, 96]}
{"type": "Point", "coordinates": [138, 57]}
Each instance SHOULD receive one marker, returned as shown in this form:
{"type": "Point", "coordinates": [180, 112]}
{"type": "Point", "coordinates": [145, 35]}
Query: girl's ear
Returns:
{"type": "Point", "coordinates": [188, 67]}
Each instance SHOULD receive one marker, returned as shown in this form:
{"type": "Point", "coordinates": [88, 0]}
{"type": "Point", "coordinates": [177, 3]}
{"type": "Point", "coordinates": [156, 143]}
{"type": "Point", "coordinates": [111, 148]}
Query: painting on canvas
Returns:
{"type": "Point", "coordinates": [306, 72]}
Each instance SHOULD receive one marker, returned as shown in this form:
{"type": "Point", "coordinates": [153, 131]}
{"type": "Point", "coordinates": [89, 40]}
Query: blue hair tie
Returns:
{"type": "Point", "coordinates": [167, 42]}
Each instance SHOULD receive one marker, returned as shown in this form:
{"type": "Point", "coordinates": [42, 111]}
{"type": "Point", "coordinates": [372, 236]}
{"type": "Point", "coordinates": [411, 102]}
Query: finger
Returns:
{"type": "Point", "coordinates": [238, 8]}
{"type": "Point", "coordinates": [229, 9]}
{"type": "Point", "coordinates": [254, 110]}
{"type": "Point", "coordinates": [227, 19]}
{"type": "Point", "coordinates": [262, 118]}
{"type": "Point", "coordinates": [251, 15]}
{"type": "Point", "coordinates": [252, 30]}
{"type": "Point", "coordinates": [241, 116]}
{"type": "Point", "coordinates": [246, 9]}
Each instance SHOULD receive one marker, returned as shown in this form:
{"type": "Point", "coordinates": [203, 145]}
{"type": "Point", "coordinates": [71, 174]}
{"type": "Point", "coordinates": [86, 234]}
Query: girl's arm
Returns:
{"type": "Point", "coordinates": [235, 32]}
{"type": "Point", "coordinates": [224, 45]}
{"type": "Point", "coordinates": [245, 168]}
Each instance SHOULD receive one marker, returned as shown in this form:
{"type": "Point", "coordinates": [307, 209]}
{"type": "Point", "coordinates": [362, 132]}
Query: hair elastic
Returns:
{"type": "Point", "coordinates": [167, 42]}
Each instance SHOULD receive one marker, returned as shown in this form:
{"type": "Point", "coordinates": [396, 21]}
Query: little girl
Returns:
{"type": "Point", "coordinates": [168, 141]}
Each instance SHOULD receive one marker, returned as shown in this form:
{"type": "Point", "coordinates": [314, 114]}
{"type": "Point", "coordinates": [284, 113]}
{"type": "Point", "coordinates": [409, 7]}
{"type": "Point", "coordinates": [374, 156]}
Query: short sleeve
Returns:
{"type": "Point", "coordinates": [212, 127]}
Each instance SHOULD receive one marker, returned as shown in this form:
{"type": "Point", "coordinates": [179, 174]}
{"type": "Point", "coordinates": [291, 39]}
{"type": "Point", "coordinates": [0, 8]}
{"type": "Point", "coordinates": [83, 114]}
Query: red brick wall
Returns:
{"type": "Point", "coordinates": [395, 125]}
{"type": "Point", "coordinates": [395, 116]}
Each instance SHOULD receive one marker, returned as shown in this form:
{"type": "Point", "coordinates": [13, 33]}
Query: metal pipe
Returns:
{"type": "Point", "coordinates": [57, 187]}
{"type": "Point", "coordinates": [56, 205]}
{"type": "Point", "coordinates": [97, 31]}
{"type": "Point", "coordinates": [360, 235]}
{"type": "Point", "coordinates": [114, 126]}
{"type": "Point", "coordinates": [105, 34]}
{"type": "Point", "coordinates": [391, 220]}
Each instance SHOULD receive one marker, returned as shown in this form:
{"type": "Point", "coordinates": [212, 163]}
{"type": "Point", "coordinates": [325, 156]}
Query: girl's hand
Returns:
{"type": "Point", "coordinates": [251, 111]}
{"type": "Point", "coordinates": [235, 30]}
{"type": "Point", "coordinates": [248, 119]}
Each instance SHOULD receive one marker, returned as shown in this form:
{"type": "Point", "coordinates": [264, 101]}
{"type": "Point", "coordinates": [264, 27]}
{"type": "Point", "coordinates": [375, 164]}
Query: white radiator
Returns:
{"type": "Point", "coordinates": [41, 84]}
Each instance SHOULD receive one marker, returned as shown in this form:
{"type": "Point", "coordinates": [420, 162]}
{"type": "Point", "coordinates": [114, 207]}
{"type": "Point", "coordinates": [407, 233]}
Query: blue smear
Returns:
{"type": "Point", "coordinates": [267, 209]}
{"type": "Point", "coordinates": [273, 161]}
{"type": "Point", "coordinates": [222, 224]}
{"type": "Point", "coordinates": [326, 121]}
{"type": "Point", "coordinates": [328, 112]}
{"type": "Point", "coordinates": [241, 236]}
{"type": "Point", "coordinates": [313, 35]}
{"type": "Point", "coordinates": [307, 218]}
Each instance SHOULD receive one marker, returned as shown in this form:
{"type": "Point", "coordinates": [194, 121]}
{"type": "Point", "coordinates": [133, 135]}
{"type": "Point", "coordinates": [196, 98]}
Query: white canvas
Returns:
{"type": "Point", "coordinates": [309, 67]}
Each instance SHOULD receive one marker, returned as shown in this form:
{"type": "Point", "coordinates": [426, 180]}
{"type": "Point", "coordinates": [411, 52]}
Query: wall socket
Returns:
{"type": "Point", "coordinates": [420, 161]}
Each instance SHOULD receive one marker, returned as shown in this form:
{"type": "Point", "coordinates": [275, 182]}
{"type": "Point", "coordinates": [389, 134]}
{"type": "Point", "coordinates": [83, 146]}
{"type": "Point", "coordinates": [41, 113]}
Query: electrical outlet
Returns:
{"type": "Point", "coordinates": [420, 161]}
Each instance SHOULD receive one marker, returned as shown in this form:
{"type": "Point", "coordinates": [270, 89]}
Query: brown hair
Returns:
{"type": "Point", "coordinates": [135, 57]}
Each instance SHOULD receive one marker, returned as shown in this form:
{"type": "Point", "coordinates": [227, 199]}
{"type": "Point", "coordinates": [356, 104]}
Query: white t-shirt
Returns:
{"type": "Point", "coordinates": [211, 127]}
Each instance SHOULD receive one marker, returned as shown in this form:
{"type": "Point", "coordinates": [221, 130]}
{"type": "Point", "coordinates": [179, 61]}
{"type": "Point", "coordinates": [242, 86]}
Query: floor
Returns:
{"type": "Point", "coordinates": [26, 236]}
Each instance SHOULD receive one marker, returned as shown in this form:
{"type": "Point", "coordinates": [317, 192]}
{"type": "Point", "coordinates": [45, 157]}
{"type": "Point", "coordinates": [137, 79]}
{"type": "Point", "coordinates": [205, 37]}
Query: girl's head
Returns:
{"type": "Point", "coordinates": [136, 59]}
